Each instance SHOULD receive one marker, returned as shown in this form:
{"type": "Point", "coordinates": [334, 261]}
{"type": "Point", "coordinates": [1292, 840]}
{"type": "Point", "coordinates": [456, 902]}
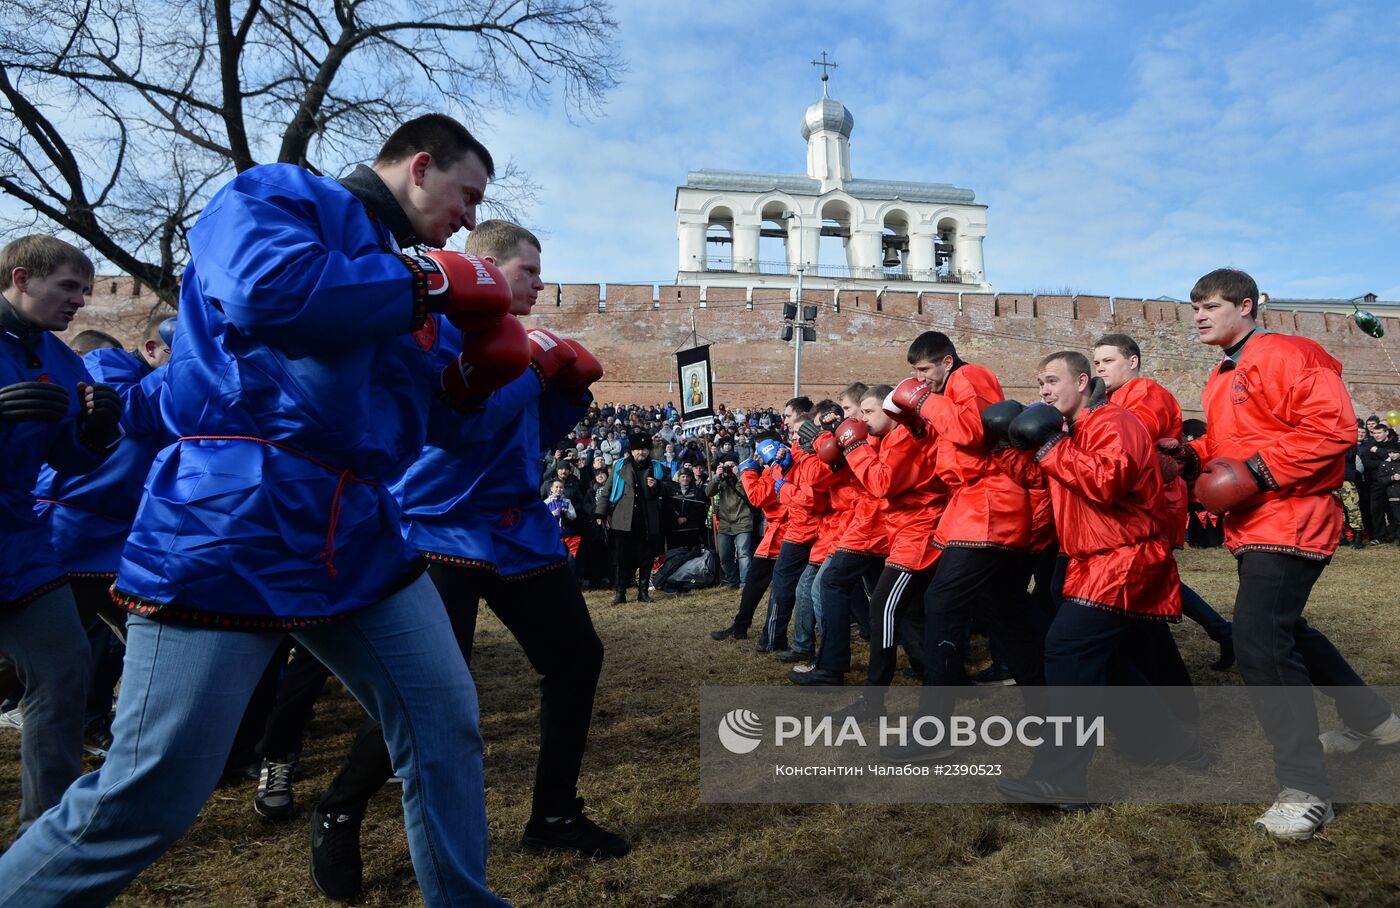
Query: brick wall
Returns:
{"type": "Point", "coordinates": [635, 329]}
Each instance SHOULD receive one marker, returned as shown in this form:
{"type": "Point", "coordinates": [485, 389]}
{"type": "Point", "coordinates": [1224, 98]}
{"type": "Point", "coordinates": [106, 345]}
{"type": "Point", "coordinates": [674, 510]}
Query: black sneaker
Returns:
{"type": "Point", "coordinates": [817, 677]}
{"type": "Point", "coordinates": [619, 597]}
{"type": "Point", "coordinates": [336, 867]}
{"type": "Point", "coordinates": [273, 800]}
{"type": "Point", "coordinates": [725, 633]}
{"type": "Point", "coordinates": [97, 738]}
{"type": "Point", "coordinates": [793, 655]}
{"type": "Point", "coordinates": [575, 833]}
{"type": "Point", "coordinates": [1030, 790]}
{"type": "Point", "coordinates": [644, 596]}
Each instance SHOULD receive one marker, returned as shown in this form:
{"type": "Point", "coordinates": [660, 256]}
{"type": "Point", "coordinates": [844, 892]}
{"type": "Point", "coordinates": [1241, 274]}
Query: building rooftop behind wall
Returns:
{"type": "Point", "coordinates": [796, 184]}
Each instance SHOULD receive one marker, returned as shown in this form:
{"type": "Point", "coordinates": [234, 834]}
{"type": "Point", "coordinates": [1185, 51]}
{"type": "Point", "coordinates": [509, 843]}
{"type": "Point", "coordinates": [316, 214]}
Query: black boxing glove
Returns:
{"type": "Point", "coordinates": [1036, 425]}
{"type": "Point", "coordinates": [33, 401]}
{"type": "Point", "coordinates": [996, 419]}
{"type": "Point", "coordinates": [99, 427]}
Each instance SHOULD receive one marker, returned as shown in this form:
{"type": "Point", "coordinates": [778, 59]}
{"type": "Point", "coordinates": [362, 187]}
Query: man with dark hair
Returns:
{"type": "Point", "coordinates": [90, 339]}
{"type": "Point", "coordinates": [804, 508]}
{"type": "Point", "coordinates": [1279, 419]}
{"type": "Point", "coordinates": [1118, 362]}
{"type": "Point", "coordinates": [300, 386]}
{"type": "Point", "coordinates": [984, 531]}
{"type": "Point", "coordinates": [443, 139]}
{"type": "Point", "coordinates": [52, 414]}
{"type": "Point", "coordinates": [634, 517]}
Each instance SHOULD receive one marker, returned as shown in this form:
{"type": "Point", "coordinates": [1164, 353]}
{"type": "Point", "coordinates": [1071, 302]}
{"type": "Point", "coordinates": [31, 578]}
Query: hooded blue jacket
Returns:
{"type": "Point", "coordinates": [29, 566]}
{"type": "Point", "coordinates": [90, 514]}
{"type": "Point", "coordinates": [473, 498]}
{"type": "Point", "coordinates": [297, 389]}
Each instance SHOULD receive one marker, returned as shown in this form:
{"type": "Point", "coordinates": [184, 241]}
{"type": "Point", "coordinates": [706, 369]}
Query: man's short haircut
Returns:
{"type": "Point", "coordinates": [92, 339]}
{"type": "Point", "coordinates": [1123, 343]}
{"type": "Point", "coordinates": [500, 240]}
{"type": "Point", "coordinates": [854, 391]}
{"type": "Point", "coordinates": [41, 255]}
{"type": "Point", "coordinates": [440, 136]}
{"type": "Point", "coordinates": [879, 392]}
{"type": "Point", "coordinates": [931, 346]}
{"type": "Point", "coordinates": [827, 409]}
{"type": "Point", "coordinates": [1230, 284]}
{"type": "Point", "coordinates": [1193, 428]}
{"type": "Point", "coordinates": [800, 404]}
{"type": "Point", "coordinates": [1078, 363]}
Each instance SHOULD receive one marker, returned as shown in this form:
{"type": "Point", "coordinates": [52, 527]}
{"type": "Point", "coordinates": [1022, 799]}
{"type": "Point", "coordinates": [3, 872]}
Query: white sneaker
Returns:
{"type": "Point", "coordinates": [1347, 740]}
{"type": "Point", "coordinates": [804, 667]}
{"type": "Point", "coordinates": [1295, 816]}
{"type": "Point", "coordinates": [12, 719]}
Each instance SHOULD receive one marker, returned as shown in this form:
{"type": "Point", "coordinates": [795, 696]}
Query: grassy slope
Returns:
{"type": "Point", "coordinates": [640, 775]}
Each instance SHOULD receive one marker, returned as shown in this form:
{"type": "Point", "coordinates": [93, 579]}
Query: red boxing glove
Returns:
{"type": "Point", "coordinates": [850, 433]}
{"type": "Point", "coordinates": [585, 369]}
{"type": "Point", "coordinates": [491, 358]}
{"type": "Point", "coordinates": [904, 402]}
{"type": "Point", "coordinates": [1224, 484]}
{"type": "Point", "coordinates": [470, 291]}
{"type": "Point", "coordinates": [1171, 467]}
{"type": "Point", "coordinates": [829, 451]}
{"type": "Point", "coordinates": [550, 355]}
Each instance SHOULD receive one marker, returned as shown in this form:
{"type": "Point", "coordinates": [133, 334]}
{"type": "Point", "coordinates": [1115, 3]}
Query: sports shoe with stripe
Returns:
{"type": "Point", "coordinates": [1295, 816]}
{"type": "Point", "coordinates": [1348, 740]}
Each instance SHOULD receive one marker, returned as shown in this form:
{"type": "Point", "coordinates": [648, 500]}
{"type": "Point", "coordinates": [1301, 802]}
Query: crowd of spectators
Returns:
{"type": "Point", "coordinates": [698, 500]}
{"type": "Point", "coordinates": [1371, 497]}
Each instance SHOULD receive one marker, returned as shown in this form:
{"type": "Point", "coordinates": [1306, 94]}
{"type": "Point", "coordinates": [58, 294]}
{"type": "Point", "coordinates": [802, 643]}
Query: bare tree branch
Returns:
{"type": "Point", "coordinates": [119, 118]}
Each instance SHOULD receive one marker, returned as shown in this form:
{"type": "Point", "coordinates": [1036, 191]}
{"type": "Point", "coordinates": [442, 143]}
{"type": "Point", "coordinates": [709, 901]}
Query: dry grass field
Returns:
{"type": "Point", "coordinates": [641, 776]}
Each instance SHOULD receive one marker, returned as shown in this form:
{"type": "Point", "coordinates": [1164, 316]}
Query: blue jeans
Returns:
{"type": "Point", "coordinates": [183, 693]}
{"type": "Point", "coordinates": [1199, 611]}
{"type": "Point", "coordinates": [734, 555]}
{"type": "Point", "coordinates": [53, 661]}
{"type": "Point", "coordinates": [804, 618]}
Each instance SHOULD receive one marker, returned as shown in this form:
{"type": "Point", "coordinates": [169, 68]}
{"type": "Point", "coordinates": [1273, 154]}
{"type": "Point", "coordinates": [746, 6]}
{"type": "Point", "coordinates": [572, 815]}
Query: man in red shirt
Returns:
{"type": "Point", "coordinates": [1118, 361]}
{"type": "Point", "coordinates": [1121, 586]}
{"type": "Point", "coordinates": [1278, 403]}
{"type": "Point", "coordinates": [984, 532]}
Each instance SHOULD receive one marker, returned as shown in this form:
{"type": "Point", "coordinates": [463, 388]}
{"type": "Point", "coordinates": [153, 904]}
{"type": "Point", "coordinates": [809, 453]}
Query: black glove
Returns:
{"type": "Point", "coordinates": [1098, 392]}
{"type": "Point", "coordinates": [996, 419]}
{"type": "Point", "coordinates": [100, 428]}
{"type": "Point", "coordinates": [33, 401]}
{"type": "Point", "coordinates": [1036, 425]}
{"type": "Point", "coordinates": [807, 436]}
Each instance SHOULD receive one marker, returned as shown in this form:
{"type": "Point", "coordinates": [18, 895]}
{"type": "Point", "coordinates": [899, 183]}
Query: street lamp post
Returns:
{"type": "Point", "coordinates": [797, 358]}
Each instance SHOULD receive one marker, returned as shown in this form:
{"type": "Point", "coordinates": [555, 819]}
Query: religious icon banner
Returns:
{"type": "Point", "coordinates": [696, 389]}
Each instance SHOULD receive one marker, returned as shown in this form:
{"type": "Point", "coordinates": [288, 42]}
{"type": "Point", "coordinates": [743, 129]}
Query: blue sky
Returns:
{"type": "Point", "coordinates": [1123, 149]}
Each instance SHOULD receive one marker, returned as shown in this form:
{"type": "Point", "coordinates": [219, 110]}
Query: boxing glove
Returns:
{"type": "Point", "coordinates": [1226, 483]}
{"type": "Point", "coordinates": [851, 433]}
{"type": "Point", "coordinates": [778, 488]}
{"type": "Point", "coordinates": [996, 419]}
{"type": "Point", "coordinates": [167, 332]}
{"type": "Point", "coordinates": [33, 401]}
{"type": "Point", "coordinates": [807, 436]}
{"type": "Point", "coordinates": [99, 419]}
{"type": "Point", "coordinates": [1171, 469]}
{"type": "Point", "coordinates": [550, 354]}
{"type": "Point", "coordinates": [1098, 392]}
{"type": "Point", "coordinates": [829, 451]}
{"type": "Point", "coordinates": [1187, 461]}
{"type": "Point", "coordinates": [491, 358]}
{"type": "Point", "coordinates": [770, 452]}
{"type": "Point", "coordinates": [584, 370]}
{"type": "Point", "coordinates": [1035, 425]}
{"type": "Point", "coordinates": [470, 291]}
{"type": "Point", "coordinates": [904, 403]}
{"type": "Point", "coordinates": [751, 464]}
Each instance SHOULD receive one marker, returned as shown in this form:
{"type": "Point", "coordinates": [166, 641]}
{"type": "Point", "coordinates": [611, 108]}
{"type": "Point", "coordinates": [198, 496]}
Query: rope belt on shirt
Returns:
{"type": "Point", "coordinates": [327, 553]}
